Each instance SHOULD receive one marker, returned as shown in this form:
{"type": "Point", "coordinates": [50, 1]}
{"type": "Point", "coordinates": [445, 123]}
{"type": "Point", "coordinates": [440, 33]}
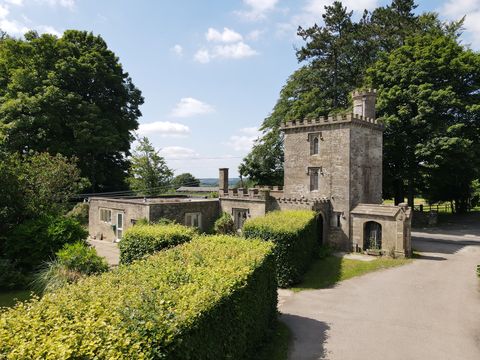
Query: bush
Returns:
{"type": "Point", "coordinates": [224, 225]}
{"type": "Point", "coordinates": [10, 277]}
{"type": "Point", "coordinates": [142, 240]}
{"type": "Point", "coordinates": [36, 241]}
{"type": "Point", "coordinates": [294, 233]}
{"type": "Point", "coordinates": [80, 213]}
{"type": "Point", "coordinates": [73, 262]}
{"type": "Point", "coordinates": [212, 298]}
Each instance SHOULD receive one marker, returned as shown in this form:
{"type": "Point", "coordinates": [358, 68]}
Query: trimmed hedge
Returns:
{"type": "Point", "coordinates": [142, 240]}
{"type": "Point", "coordinates": [212, 298]}
{"type": "Point", "coordinates": [295, 235]}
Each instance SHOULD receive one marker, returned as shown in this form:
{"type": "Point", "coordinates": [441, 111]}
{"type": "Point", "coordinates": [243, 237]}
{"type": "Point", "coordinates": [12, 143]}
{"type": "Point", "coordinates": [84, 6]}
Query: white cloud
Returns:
{"type": "Point", "coordinates": [46, 29]}
{"type": "Point", "coordinates": [15, 2]}
{"type": "Point", "coordinates": [187, 107]}
{"type": "Point", "coordinates": [239, 50]}
{"type": "Point", "coordinates": [164, 128]}
{"type": "Point", "coordinates": [13, 27]}
{"type": "Point", "coordinates": [455, 10]}
{"type": "Point", "coordinates": [63, 3]}
{"type": "Point", "coordinates": [178, 152]}
{"type": "Point", "coordinates": [245, 139]}
{"type": "Point", "coordinates": [254, 35]}
{"type": "Point", "coordinates": [257, 9]}
{"type": "Point", "coordinates": [202, 56]}
{"type": "Point", "coordinates": [3, 11]}
{"type": "Point", "coordinates": [178, 50]}
{"type": "Point", "coordinates": [226, 36]}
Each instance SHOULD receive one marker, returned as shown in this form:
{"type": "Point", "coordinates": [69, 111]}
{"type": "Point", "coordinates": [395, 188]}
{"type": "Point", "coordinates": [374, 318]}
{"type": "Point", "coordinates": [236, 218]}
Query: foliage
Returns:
{"type": "Point", "coordinates": [149, 174]}
{"type": "Point", "coordinates": [73, 262]}
{"type": "Point", "coordinates": [68, 95]}
{"type": "Point", "coordinates": [212, 298]}
{"type": "Point", "coordinates": [428, 95]}
{"type": "Point", "coordinates": [294, 233]}
{"type": "Point", "coordinates": [224, 224]}
{"type": "Point", "coordinates": [329, 271]}
{"type": "Point", "coordinates": [185, 179]}
{"type": "Point", "coordinates": [143, 240]}
{"type": "Point", "coordinates": [80, 212]}
{"type": "Point", "coordinates": [37, 240]}
{"type": "Point", "coordinates": [277, 345]}
{"type": "Point", "coordinates": [10, 277]}
{"type": "Point", "coordinates": [35, 184]}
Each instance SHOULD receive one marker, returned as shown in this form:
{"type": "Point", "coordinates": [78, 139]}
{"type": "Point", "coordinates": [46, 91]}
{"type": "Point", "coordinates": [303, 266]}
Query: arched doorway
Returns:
{"type": "Point", "coordinates": [372, 238]}
{"type": "Point", "coordinates": [320, 229]}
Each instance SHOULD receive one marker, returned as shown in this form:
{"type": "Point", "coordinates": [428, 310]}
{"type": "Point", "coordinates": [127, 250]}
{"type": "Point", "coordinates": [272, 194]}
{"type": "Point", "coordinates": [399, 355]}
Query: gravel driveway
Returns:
{"type": "Point", "coordinates": [429, 309]}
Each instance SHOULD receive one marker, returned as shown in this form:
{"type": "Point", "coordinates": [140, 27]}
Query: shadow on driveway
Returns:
{"type": "Point", "coordinates": [309, 337]}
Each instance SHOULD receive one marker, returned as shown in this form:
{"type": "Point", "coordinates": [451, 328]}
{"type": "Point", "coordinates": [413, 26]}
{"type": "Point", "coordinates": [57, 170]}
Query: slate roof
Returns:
{"type": "Point", "coordinates": [198, 189]}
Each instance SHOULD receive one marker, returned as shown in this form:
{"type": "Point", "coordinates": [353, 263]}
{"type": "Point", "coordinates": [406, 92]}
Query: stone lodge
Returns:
{"type": "Point", "coordinates": [333, 165]}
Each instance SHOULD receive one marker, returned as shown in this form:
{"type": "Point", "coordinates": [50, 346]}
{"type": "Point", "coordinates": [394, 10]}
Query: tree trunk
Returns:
{"type": "Point", "coordinates": [410, 193]}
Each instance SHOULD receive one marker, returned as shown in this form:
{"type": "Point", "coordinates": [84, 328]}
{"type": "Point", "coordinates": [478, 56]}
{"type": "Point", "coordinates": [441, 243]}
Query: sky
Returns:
{"type": "Point", "coordinates": [210, 71]}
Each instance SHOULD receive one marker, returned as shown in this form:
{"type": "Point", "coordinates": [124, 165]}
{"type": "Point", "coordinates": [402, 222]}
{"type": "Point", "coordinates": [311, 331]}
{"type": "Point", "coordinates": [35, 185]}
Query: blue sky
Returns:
{"type": "Point", "coordinates": [210, 71]}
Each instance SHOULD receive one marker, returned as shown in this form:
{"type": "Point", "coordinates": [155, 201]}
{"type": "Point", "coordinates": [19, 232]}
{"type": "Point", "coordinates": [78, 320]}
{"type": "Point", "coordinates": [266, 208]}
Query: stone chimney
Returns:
{"type": "Point", "coordinates": [364, 103]}
{"type": "Point", "coordinates": [223, 181]}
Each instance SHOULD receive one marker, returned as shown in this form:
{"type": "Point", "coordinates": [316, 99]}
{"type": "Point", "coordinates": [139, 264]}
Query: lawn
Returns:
{"type": "Point", "coordinates": [9, 298]}
{"type": "Point", "coordinates": [328, 271]}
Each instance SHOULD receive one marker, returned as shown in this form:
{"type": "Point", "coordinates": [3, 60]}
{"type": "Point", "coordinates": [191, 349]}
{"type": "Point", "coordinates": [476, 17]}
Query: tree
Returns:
{"type": "Point", "coordinates": [149, 174]}
{"type": "Point", "coordinates": [185, 179]}
{"type": "Point", "coordinates": [337, 55]}
{"type": "Point", "coordinates": [69, 95]}
{"type": "Point", "coordinates": [428, 96]}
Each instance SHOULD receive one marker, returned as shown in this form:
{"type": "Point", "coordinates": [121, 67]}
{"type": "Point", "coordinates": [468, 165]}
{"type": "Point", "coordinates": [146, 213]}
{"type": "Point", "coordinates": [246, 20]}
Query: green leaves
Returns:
{"type": "Point", "coordinates": [212, 298]}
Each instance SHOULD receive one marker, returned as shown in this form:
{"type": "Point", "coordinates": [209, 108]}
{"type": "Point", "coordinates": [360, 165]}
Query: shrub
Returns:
{"type": "Point", "coordinates": [143, 240]}
{"type": "Point", "coordinates": [224, 225]}
{"type": "Point", "coordinates": [10, 277]}
{"type": "Point", "coordinates": [73, 262]}
{"type": "Point", "coordinates": [80, 213]}
{"type": "Point", "coordinates": [294, 233]}
{"type": "Point", "coordinates": [212, 298]}
{"type": "Point", "coordinates": [36, 241]}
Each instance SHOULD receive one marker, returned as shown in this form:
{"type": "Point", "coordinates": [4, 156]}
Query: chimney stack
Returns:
{"type": "Point", "coordinates": [364, 103]}
{"type": "Point", "coordinates": [223, 181]}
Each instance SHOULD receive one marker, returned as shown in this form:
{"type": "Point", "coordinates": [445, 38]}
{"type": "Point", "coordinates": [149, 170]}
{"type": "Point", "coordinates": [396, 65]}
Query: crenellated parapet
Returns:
{"type": "Point", "coordinates": [245, 194]}
{"type": "Point", "coordinates": [304, 201]}
{"type": "Point", "coordinates": [331, 120]}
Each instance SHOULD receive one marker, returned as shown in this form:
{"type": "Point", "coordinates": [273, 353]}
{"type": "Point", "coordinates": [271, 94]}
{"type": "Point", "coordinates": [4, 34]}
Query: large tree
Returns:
{"type": "Point", "coordinates": [185, 179]}
{"type": "Point", "coordinates": [69, 95]}
{"type": "Point", "coordinates": [429, 96]}
{"type": "Point", "coordinates": [335, 56]}
{"type": "Point", "coordinates": [149, 174]}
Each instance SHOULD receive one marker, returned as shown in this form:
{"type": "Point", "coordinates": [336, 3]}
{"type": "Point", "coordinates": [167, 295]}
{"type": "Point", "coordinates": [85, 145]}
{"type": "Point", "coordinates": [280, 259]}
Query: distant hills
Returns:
{"type": "Point", "coordinates": [214, 181]}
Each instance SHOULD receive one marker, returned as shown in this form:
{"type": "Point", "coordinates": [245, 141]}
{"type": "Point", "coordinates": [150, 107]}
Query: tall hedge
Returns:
{"type": "Point", "coordinates": [294, 233]}
{"type": "Point", "coordinates": [144, 239]}
{"type": "Point", "coordinates": [212, 298]}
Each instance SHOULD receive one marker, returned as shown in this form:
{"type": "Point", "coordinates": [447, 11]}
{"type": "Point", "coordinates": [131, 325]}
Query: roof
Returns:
{"type": "Point", "coordinates": [376, 210]}
{"type": "Point", "coordinates": [197, 189]}
{"type": "Point", "coordinates": [150, 201]}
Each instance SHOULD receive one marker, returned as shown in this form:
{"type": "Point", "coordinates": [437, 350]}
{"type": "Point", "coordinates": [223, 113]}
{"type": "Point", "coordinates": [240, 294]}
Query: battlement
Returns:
{"type": "Point", "coordinates": [365, 92]}
{"type": "Point", "coordinates": [336, 119]}
{"type": "Point", "coordinates": [245, 194]}
{"type": "Point", "coordinates": [303, 201]}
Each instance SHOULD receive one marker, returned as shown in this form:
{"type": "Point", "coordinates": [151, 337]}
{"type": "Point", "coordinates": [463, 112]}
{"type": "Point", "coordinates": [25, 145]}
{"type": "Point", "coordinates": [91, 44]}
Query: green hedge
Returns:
{"type": "Point", "coordinates": [212, 298]}
{"type": "Point", "coordinates": [295, 235]}
{"type": "Point", "coordinates": [142, 240]}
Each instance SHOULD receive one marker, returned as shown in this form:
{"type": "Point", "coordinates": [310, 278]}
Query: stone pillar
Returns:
{"type": "Point", "coordinates": [223, 181]}
{"type": "Point", "coordinates": [364, 103]}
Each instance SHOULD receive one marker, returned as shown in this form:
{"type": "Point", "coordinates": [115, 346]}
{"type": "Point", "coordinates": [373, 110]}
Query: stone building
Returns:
{"type": "Point", "coordinates": [333, 165]}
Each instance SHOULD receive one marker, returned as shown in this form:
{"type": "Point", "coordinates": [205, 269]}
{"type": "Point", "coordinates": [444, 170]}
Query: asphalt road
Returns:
{"type": "Point", "coordinates": [429, 309]}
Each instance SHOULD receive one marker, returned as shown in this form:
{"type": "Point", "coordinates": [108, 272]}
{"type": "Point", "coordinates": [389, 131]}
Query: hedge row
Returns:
{"type": "Point", "coordinates": [295, 235]}
{"type": "Point", "coordinates": [143, 239]}
{"type": "Point", "coordinates": [212, 298]}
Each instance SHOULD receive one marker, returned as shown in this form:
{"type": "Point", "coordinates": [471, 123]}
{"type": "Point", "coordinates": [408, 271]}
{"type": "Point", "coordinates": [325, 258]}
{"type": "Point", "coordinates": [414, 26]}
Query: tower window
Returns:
{"type": "Point", "coordinates": [314, 139]}
{"type": "Point", "coordinates": [314, 178]}
{"type": "Point", "coordinates": [315, 145]}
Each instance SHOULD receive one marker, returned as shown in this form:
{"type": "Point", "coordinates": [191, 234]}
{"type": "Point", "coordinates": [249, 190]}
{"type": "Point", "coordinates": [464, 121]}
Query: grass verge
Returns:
{"type": "Point", "coordinates": [328, 271]}
{"type": "Point", "coordinates": [276, 347]}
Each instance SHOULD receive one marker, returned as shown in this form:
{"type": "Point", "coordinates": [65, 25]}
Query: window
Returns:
{"type": "Point", "coordinates": [314, 178]}
{"type": "Point", "coordinates": [239, 217]}
{"type": "Point", "coordinates": [314, 140]}
{"type": "Point", "coordinates": [193, 219]}
{"type": "Point", "coordinates": [336, 219]}
{"type": "Point", "coordinates": [106, 215]}
{"type": "Point", "coordinates": [315, 145]}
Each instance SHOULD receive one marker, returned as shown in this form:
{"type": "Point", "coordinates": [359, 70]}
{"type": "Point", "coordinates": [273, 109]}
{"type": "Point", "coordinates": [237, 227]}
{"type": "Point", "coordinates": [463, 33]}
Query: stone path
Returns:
{"type": "Point", "coordinates": [429, 309]}
{"type": "Point", "coordinates": [107, 249]}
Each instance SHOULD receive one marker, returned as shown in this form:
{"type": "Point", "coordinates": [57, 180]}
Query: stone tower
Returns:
{"type": "Point", "coordinates": [338, 158]}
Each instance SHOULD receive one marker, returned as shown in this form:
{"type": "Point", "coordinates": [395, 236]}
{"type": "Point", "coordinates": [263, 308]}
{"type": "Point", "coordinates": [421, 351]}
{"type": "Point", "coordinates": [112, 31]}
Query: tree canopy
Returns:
{"type": "Point", "coordinates": [185, 179]}
{"type": "Point", "coordinates": [69, 95]}
{"type": "Point", "coordinates": [149, 174]}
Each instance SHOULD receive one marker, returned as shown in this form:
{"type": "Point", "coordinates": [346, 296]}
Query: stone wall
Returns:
{"type": "Point", "coordinates": [210, 209]}
{"type": "Point", "coordinates": [101, 230]}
